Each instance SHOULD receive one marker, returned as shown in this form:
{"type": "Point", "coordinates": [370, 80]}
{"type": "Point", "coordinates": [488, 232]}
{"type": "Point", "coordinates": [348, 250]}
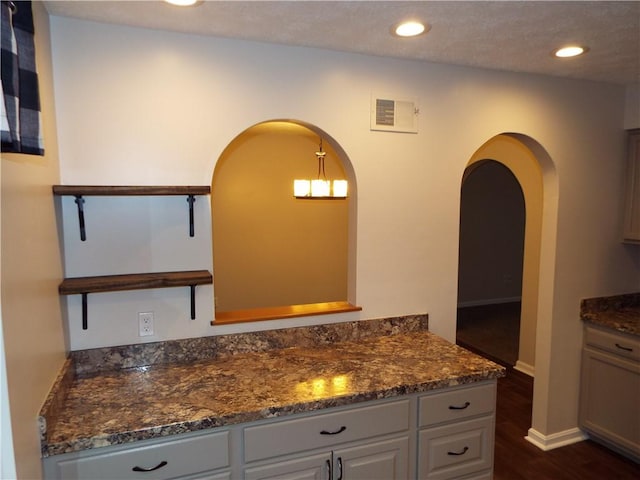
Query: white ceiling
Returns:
{"type": "Point", "coordinates": [505, 35]}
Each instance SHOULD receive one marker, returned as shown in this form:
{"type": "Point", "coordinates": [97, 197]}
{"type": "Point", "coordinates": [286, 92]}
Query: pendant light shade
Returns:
{"type": "Point", "coordinates": [320, 187]}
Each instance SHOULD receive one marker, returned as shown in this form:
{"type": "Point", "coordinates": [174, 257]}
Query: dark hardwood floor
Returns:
{"type": "Point", "coordinates": [517, 459]}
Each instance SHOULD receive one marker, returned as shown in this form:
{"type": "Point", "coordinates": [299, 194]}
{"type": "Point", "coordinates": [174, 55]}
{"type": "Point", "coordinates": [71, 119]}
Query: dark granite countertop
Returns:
{"type": "Point", "coordinates": [620, 312]}
{"type": "Point", "coordinates": [111, 407]}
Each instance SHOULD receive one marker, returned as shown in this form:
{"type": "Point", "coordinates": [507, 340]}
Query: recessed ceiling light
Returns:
{"type": "Point", "coordinates": [410, 29]}
{"type": "Point", "coordinates": [182, 3]}
{"type": "Point", "coordinates": [570, 51]}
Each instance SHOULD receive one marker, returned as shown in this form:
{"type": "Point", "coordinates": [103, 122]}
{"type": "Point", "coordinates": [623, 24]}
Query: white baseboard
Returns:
{"type": "Point", "coordinates": [489, 301]}
{"type": "Point", "coordinates": [555, 440]}
{"type": "Point", "coordinates": [525, 368]}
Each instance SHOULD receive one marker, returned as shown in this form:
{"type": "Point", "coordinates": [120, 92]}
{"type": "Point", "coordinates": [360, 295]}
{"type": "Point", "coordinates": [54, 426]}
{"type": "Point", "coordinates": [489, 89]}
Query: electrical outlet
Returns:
{"type": "Point", "coordinates": [145, 324]}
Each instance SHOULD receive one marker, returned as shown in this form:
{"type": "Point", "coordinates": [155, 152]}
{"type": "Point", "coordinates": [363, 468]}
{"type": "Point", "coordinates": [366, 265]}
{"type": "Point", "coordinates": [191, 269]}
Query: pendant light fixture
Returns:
{"type": "Point", "coordinates": [320, 187]}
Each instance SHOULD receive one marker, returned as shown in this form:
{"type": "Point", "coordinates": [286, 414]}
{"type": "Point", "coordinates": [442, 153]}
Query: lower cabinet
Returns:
{"type": "Point", "coordinates": [456, 434]}
{"type": "Point", "coordinates": [610, 390]}
{"type": "Point", "coordinates": [384, 460]}
{"type": "Point", "coordinates": [447, 434]}
{"type": "Point", "coordinates": [203, 456]}
{"type": "Point", "coordinates": [334, 445]}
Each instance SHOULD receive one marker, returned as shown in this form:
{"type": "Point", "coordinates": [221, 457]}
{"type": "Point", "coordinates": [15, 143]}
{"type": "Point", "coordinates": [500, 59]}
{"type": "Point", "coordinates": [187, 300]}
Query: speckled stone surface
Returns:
{"type": "Point", "coordinates": [209, 348]}
{"type": "Point", "coordinates": [619, 312]}
{"type": "Point", "coordinates": [122, 406]}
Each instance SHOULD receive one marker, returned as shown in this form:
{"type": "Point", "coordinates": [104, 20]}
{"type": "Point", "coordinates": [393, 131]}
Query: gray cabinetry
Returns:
{"type": "Point", "coordinates": [380, 439]}
{"type": "Point", "coordinates": [456, 434]}
{"type": "Point", "coordinates": [631, 233]}
{"type": "Point", "coordinates": [349, 444]}
{"type": "Point", "coordinates": [610, 389]}
{"type": "Point", "coordinates": [194, 456]}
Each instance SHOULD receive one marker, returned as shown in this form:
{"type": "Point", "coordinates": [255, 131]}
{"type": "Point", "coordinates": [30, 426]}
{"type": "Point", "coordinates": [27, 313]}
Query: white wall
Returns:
{"type": "Point", "coordinates": [146, 107]}
{"type": "Point", "coordinates": [33, 330]}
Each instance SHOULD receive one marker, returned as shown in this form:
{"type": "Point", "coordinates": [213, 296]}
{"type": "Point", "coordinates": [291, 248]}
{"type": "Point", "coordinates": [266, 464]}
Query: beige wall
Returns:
{"type": "Point", "coordinates": [31, 272]}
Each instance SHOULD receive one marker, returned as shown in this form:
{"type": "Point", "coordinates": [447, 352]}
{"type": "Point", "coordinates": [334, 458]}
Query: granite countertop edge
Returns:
{"type": "Point", "coordinates": [213, 422]}
{"type": "Point", "coordinates": [619, 313]}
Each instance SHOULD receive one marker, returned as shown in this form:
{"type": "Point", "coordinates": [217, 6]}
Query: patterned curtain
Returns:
{"type": "Point", "coordinates": [21, 122]}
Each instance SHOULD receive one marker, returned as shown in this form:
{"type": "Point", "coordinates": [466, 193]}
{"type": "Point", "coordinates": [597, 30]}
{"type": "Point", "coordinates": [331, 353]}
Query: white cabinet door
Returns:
{"type": "Point", "coordinates": [385, 460]}
{"type": "Point", "coordinates": [313, 467]}
{"type": "Point", "coordinates": [609, 399]}
{"type": "Point", "coordinates": [632, 200]}
{"type": "Point", "coordinates": [457, 449]}
{"type": "Point", "coordinates": [161, 460]}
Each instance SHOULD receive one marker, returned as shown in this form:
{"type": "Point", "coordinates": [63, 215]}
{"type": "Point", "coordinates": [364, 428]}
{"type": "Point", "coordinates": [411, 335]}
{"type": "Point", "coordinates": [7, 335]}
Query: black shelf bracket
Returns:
{"type": "Point", "coordinates": [84, 311]}
{"type": "Point", "coordinates": [85, 323]}
{"type": "Point", "coordinates": [193, 301]}
{"type": "Point", "coordinates": [80, 202]}
{"type": "Point", "coordinates": [191, 200]}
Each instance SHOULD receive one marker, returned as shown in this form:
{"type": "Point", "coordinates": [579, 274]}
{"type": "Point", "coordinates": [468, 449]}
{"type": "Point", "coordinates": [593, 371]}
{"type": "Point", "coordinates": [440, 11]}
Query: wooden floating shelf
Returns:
{"type": "Point", "coordinates": [134, 281]}
{"type": "Point", "coordinates": [121, 190]}
{"type": "Point", "coordinates": [79, 191]}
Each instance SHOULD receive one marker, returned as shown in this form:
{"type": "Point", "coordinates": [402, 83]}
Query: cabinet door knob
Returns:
{"type": "Point", "coordinates": [141, 469]}
{"type": "Point", "coordinates": [340, 430]}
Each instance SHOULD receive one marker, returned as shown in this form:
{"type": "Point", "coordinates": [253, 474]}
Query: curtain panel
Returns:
{"type": "Point", "coordinates": [21, 120]}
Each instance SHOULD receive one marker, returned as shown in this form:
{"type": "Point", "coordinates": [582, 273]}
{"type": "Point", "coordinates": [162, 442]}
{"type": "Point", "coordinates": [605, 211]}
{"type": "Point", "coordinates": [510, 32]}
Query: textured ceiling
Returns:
{"type": "Point", "coordinates": [505, 35]}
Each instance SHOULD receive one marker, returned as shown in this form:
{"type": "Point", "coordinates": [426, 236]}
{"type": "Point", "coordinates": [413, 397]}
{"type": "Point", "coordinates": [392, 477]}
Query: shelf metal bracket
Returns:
{"type": "Point", "coordinates": [84, 311]}
{"type": "Point", "coordinates": [193, 301]}
{"type": "Point", "coordinates": [80, 202]}
{"type": "Point", "coordinates": [191, 200]}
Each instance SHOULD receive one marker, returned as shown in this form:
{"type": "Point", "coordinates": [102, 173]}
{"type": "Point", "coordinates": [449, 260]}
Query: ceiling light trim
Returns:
{"type": "Point", "coordinates": [570, 51]}
{"type": "Point", "coordinates": [410, 29]}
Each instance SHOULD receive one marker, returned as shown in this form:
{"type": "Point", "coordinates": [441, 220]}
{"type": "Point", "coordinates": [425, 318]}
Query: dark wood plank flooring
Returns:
{"type": "Point", "coordinates": [517, 459]}
{"type": "Point", "coordinates": [492, 329]}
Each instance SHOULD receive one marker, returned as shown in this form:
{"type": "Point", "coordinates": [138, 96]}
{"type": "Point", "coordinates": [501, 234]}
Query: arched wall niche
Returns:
{"type": "Point", "coordinates": [534, 169]}
{"type": "Point", "coordinates": [276, 256]}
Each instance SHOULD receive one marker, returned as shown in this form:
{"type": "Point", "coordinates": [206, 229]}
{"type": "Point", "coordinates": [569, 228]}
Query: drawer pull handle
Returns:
{"type": "Point", "coordinates": [455, 407]}
{"type": "Point", "coordinates": [464, 450]}
{"type": "Point", "coordinates": [140, 469]}
{"type": "Point", "coordinates": [626, 349]}
{"type": "Point", "coordinates": [340, 430]}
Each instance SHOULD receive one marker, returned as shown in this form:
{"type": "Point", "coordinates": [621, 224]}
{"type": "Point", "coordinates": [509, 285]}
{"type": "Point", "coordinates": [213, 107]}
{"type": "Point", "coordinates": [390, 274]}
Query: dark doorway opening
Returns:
{"type": "Point", "coordinates": [492, 226]}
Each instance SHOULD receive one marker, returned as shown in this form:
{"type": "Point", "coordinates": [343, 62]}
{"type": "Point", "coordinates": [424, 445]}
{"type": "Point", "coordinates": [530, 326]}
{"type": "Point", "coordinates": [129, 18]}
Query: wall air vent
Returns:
{"type": "Point", "coordinates": [394, 115]}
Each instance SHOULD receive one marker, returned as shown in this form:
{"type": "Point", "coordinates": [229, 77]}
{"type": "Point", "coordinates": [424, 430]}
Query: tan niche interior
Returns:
{"type": "Point", "coordinates": [274, 255]}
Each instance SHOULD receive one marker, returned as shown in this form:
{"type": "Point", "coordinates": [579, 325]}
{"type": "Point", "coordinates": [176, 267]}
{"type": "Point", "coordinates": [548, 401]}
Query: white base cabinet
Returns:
{"type": "Point", "coordinates": [444, 434]}
{"type": "Point", "coordinates": [386, 460]}
{"type": "Point", "coordinates": [195, 456]}
{"type": "Point", "coordinates": [610, 390]}
{"type": "Point", "coordinates": [456, 436]}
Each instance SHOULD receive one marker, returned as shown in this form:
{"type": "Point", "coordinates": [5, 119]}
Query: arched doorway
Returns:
{"type": "Point", "coordinates": [519, 159]}
{"type": "Point", "coordinates": [536, 173]}
{"type": "Point", "coordinates": [491, 253]}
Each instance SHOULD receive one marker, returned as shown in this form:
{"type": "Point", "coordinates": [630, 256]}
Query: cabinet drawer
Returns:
{"type": "Point", "coordinates": [290, 436]}
{"type": "Point", "coordinates": [623, 345]}
{"type": "Point", "coordinates": [183, 457]}
{"type": "Point", "coordinates": [457, 405]}
{"type": "Point", "coordinates": [452, 451]}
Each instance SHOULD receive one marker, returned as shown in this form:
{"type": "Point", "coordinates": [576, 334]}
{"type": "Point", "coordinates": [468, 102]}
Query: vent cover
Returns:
{"type": "Point", "coordinates": [394, 115]}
